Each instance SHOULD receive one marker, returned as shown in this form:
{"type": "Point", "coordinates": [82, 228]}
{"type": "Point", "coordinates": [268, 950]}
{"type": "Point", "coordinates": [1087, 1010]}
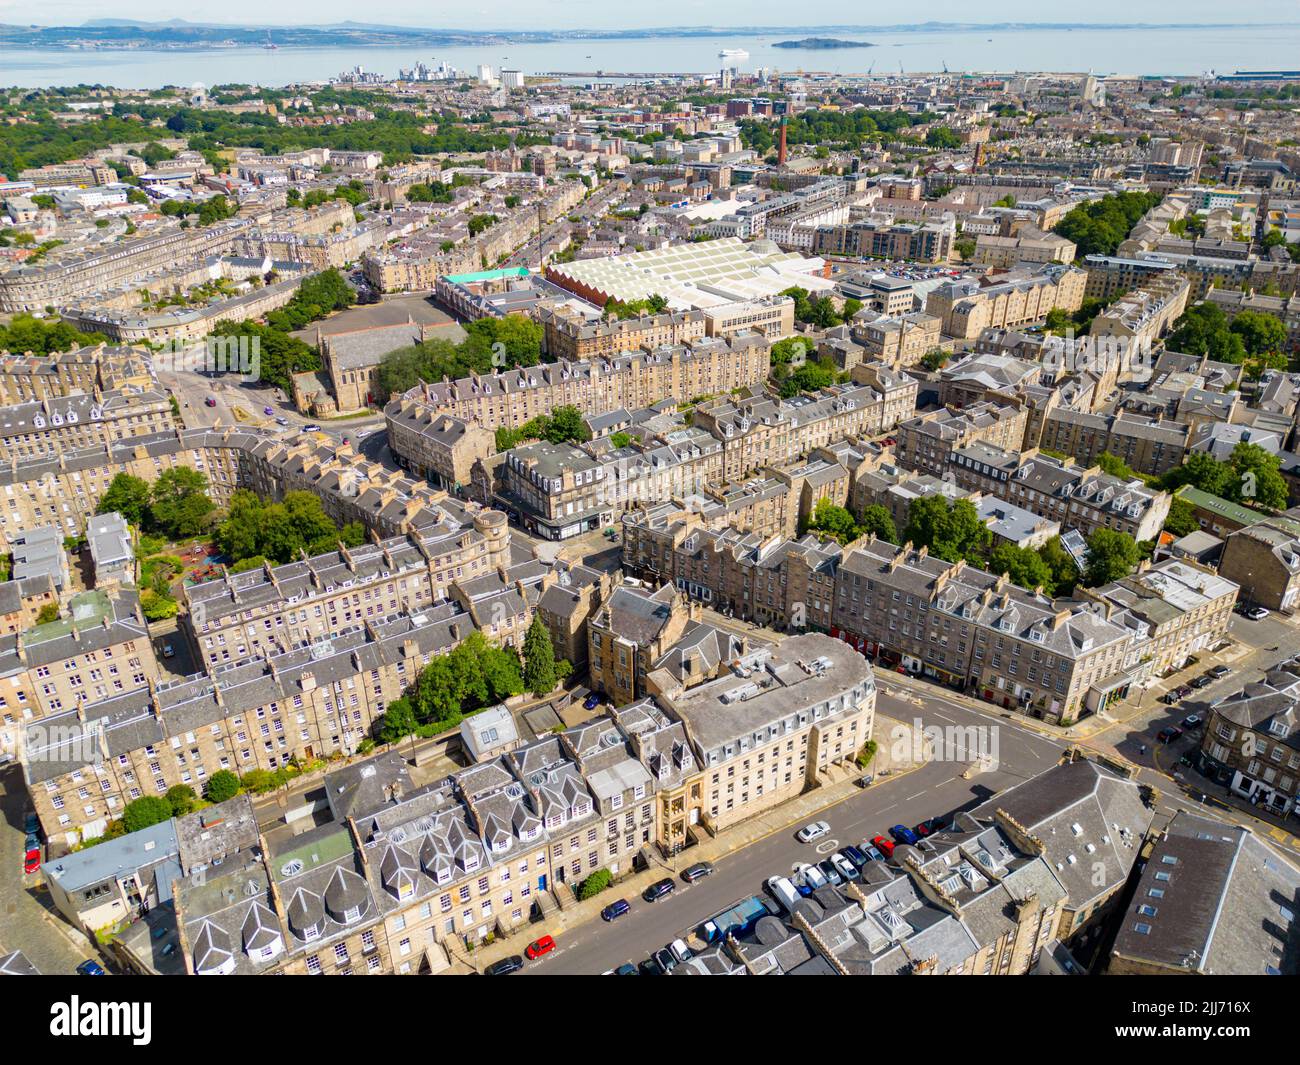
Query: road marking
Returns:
{"type": "Point", "coordinates": [912, 798]}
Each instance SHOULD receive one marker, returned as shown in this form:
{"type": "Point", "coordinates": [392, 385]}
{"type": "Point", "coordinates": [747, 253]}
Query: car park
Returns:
{"type": "Point", "coordinates": [658, 890]}
{"type": "Point", "coordinates": [813, 831]}
{"type": "Point", "coordinates": [883, 845]}
{"type": "Point", "coordinates": [698, 871]}
{"type": "Point", "coordinates": [1169, 734]}
{"type": "Point", "coordinates": [848, 871]}
{"type": "Point", "coordinates": [505, 966]}
{"type": "Point", "coordinates": [1192, 721]}
{"type": "Point", "coordinates": [539, 948]}
{"type": "Point", "coordinates": [829, 871]}
{"type": "Point", "coordinates": [91, 968]}
{"type": "Point", "coordinates": [615, 910]}
{"type": "Point", "coordinates": [903, 834]}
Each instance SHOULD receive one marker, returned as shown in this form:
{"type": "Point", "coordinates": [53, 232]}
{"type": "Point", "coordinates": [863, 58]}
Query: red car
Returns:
{"type": "Point", "coordinates": [542, 946]}
{"type": "Point", "coordinates": [883, 844]}
{"type": "Point", "coordinates": [32, 860]}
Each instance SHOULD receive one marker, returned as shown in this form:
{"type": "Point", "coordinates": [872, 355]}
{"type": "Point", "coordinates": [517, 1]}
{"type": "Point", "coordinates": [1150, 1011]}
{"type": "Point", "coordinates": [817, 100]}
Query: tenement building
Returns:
{"type": "Point", "coordinates": [978, 632]}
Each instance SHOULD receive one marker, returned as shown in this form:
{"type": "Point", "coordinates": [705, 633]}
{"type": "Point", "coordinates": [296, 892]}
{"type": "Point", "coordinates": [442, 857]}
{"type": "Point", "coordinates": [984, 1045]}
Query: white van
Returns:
{"type": "Point", "coordinates": [783, 891]}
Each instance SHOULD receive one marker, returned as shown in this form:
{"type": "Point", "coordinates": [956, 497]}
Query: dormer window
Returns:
{"type": "Point", "coordinates": [312, 931]}
{"type": "Point", "coordinates": [353, 913]}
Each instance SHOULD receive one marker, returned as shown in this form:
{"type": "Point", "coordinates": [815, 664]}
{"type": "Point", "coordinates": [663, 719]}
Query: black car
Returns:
{"type": "Point", "coordinates": [698, 871]}
{"type": "Point", "coordinates": [1201, 682]}
{"type": "Point", "coordinates": [658, 890]}
{"type": "Point", "coordinates": [1218, 672]}
{"type": "Point", "coordinates": [660, 963]}
{"type": "Point", "coordinates": [505, 966]}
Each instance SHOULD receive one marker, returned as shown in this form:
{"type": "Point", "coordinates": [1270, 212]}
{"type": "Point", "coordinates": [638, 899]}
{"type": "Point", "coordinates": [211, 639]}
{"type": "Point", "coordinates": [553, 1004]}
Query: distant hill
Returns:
{"type": "Point", "coordinates": [822, 43]}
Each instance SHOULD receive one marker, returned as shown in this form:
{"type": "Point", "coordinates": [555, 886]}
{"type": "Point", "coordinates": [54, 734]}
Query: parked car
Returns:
{"type": "Point", "coordinates": [591, 701]}
{"type": "Point", "coordinates": [698, 871]}
{"type": "Point", "coordinates": [505, 966]}
{"type": "Point", "coordinates": [311, 428]}
{"type": "Point", "coordinates": [932, 825]}
{"type": "Point", "coordinates": [1168, 735]}
{"type": "Point", "coordinates": [870, 851]}
{"type": "Point", "coordinates": [168, 651]}
{"type": "Point", "coordinates": [615, 910]}
{"type": "Point", "coordinates": [31, 843]}
{"type": "Point", "coordinates": [922, 830]}
{"type": "Point", "coordinates": [658, 890]}
{"type": "Point", "coordinates": [1170, 697]}
{"type": "Point", "coordinates": [856, 855]}
{"type": "Point", "coordinates": [783, 890]}
{"type": "Point", "coordinates": [847, 869]}
{"type": "Point", "coordinates": [626, 969]}
{"type": "Point", "coordinates": [91, 968]}
{"type": "Point", "coordinates": [883, 845]}
{"type": "Point", "coordinates": [1192, 721]}
{"type": "Point", "coordinates": [1200, 682]}
{"type": "Point", "coordinates": [211, 401]}
{"type": "Point", "coordinates": [903, 834]}
{"type": "Point", "coordinates": [1219, 672]}
{"type": "Point", "coordinates": [660, 963]}
{"type": "Point", "coordinates": [281, 421]}
{"type": "Point", "coordinates": [268, 410]}
{"type": "Point", "coordinates": [813, 831]}
{"type": "Point", "coordinates": [31, 823]}
{"type": "Point", "coordinates": [539, 948]}
{"type": "Point", "coordinates": [830, 872]}
{"type": "Point", "coordinates": [866, 780]}
{"type": "Point", "coordinates": [1256, 613]}
{"type": "Point", "coordinates": [680, 950]}
{"type": "Point", "coordinates": [811, 875]}
{"type": "Point", "coordinates": [31, 860]}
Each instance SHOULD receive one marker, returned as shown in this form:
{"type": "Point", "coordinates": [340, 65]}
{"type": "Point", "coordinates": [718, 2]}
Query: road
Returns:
{"type": "Point", "coordinates": [936, 788]}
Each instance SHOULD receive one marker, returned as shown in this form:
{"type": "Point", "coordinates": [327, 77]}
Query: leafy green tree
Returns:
{"type": "Point", "coordinates": [934, 359]}
{"type": "Point", "coordinates": [41, 336]}
{"type": "Point", "coordinates": [1201, 470]}
{"type": "Point", "coordinates": [1262, 334]}
{"type": "Point", "coordinates": [539, 659]}
{"type": "Point", "coordinates": [951, 531]}
{"type": "Point", "coordinates": [1023, 566]}
{"type": "Point", "coordinates": [1204, 330]}
{"type": "Point", "coordinates": [1100, 226]}
{"type": "Point", "coordinates": [1111, 555]}
{"type": "Point", "coordinates": [1116, 467]}
{"type": "Point", "coordinates": [182, 799]}
{"type": "Point", "coordinates": [49, 612]}
{"type": "Point", "coordinates": [397, 722]}
{"type": "Point", "coordinates": [1060, 563]}
{"type": "Point", "coordinates": [179, 505]}
{"type": "Point", "coordinates": [145, 811]}
{"type": "Point", "coordinates": [566, 425]}
{"type": "Point", "coordinates": [222, 785]}
{"type": "Point", "coordinates": [834, 521]}
{"type": "Point", "coordinates": [1181, 519]}
{"type": "Point", "coordinates": [128, 496]}
{"type": "Point", "coordinates": [1256, 477]}
{"type": "Point", "coordinates": [877, 521]}
{"type": "Point", "coordinates": [157, 606]}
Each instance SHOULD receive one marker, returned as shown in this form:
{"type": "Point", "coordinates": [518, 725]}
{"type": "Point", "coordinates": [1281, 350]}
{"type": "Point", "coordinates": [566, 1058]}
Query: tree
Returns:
{"type": "Point", "coordinates": [833, 520]}
{"type": "Point", "coordinates": [539, 659]}
{"type": "Point", "coordinates": [179, 505]}
{"type": "Point", "coordinates": [1256, 477]}
{"type": "Point", "coordinates": [1061, 565]}
{"type": "Point", "coordinates": [877, 521]}
{"type": "Point", "coordinates": [182, 799]}
{"type": "Point", "coordinates": [397, 721]}
{"type": "Point", "coordinates": [1116, 467]}
{"type": "Point", "coordinates": [1111, 555]}
{"type": "Point", "coordinates": [934, 359]}
{"type": "Point", "coordinates": [1100, 226]}
{"type": "Point", "coordinates": [1201, 470]}
{"type": "Point", "coordinates": [145, 811]}
{"type": "Point", "coordinates": [1262, 334]}
{"type": "Point", "coordinates": [1022, 565]}
{"type": "Point", "coordinates": [566, 424]}
{"type": "Point", "coordinates": [951, 531]}
{"type": "Point", "coordinates": [1181, 519]}
{"type": "Point", "coordinates": [49, 612]}
{"type": "Point", "coordinates": [222, 785]}
{"type": "Point", "coordinates": [128, 496]}
{"type": "Point", "coordinates": [156, 606]}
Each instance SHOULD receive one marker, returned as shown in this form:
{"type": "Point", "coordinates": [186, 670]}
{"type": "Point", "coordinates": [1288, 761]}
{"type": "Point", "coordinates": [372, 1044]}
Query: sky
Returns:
{"type": "Point", "coordinates": [601, 14]}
